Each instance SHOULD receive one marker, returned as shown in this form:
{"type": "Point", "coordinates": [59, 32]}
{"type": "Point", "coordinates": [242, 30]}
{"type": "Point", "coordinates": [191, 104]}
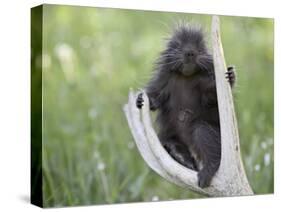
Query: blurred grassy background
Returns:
{"type": "Point", "coordinates": [91, 57]}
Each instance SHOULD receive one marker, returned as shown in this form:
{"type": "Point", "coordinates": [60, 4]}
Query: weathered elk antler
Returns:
{"type": "Point", "coordinates": [230, 179]}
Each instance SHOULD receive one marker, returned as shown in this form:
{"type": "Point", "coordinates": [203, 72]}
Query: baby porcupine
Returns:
{"type": "Point", "coordinates": [183, 90]}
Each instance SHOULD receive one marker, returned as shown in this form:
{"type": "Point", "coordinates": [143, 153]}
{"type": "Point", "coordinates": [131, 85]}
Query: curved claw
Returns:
{"type": "Point", "coordinates": [139, 101]}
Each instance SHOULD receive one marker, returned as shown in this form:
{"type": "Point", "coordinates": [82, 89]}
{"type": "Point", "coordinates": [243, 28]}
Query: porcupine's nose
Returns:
{"type": "Point", "coordinates": [189, 54]}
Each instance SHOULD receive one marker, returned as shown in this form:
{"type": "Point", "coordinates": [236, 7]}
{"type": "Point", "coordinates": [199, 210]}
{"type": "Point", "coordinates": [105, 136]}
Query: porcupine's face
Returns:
{"type": "Point", "coordinates": [186, 52]}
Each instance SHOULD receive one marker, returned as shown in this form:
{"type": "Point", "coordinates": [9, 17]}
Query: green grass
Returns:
{"type": "Point", "coordinates": [91, 58]}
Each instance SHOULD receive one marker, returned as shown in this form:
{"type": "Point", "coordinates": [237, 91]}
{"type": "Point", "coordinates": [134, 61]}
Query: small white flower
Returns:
{"type": "Point", "coordinates": [65, 55]}
{"type": "Point", "coordinates": [266, 159]}
{"type": "Point", "coordinates": [101, 166]}
{"type": "Point", "coordinates": [64, 51]}
{"type": "Point", "coordinates": [263, 145]}
{"type": "Point", "coordinates": [257, 167]}
{"type": "Point", "coordinates": [155, 198]}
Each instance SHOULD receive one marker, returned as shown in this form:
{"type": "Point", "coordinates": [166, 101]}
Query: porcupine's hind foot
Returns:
{"type": "Point", "coordinates": [181, 154]}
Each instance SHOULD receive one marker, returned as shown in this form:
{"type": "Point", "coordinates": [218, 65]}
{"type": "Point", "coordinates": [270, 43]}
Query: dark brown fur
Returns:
{"type": "Point", "coordinates": [183, 90]}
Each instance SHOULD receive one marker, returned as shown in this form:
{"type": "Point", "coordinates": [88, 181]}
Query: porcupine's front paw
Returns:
{"type": "Point", "coordinates": [230, 75]}
{"type": "Point", "coordinates": [139, 101]}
